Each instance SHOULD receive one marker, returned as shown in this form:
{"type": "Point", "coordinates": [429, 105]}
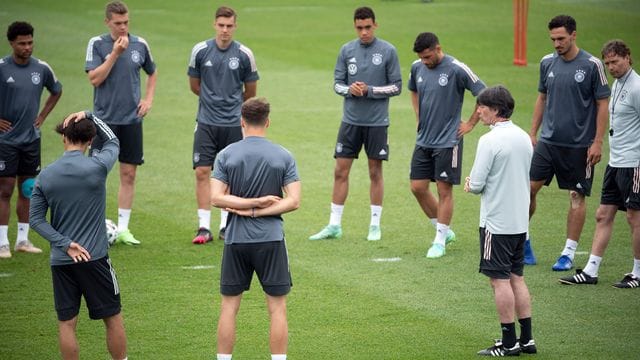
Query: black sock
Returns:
{"type": "Point", "coordinates": [508, 335]}
{"type": "Point", "coordinates": [525, 330]}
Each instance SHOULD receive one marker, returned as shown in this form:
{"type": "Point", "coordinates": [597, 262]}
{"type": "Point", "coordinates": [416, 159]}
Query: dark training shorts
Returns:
{"type": "Point", "coordinates": [209, 140]}
{"type": "Point", "coordinates": [569, 165]}
{"type": "Point", "coordinates": [269, 260]}
{"type": "Point", "coordinates": [621, 187]}
{"type": "Point", "coordinates": [501, 255]}
{"type": "Point", "coordinates": [20, 160]}
{"type": "Point", "coordinates": [95, 280]}
{"type": "Point", "coordinates": [130, 137]}
{"type": "Point", "coordinates": [351, 138]}
{"type": "Point", "coordinates": [437, 164]}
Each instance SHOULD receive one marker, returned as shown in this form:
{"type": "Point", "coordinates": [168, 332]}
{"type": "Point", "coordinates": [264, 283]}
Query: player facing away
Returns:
{"type": "Point", "coordinates": [22, 80]}
{"type": "Point", "coordinates": [571, 109]}
{"type": "Point", "coordinates": [249, 179]}
{"type": "Point", "coordinates": [223, 73]}
{"type": "Point", "coordinates": [367, 74]}
{"type": "Point", "coordinates": [113, 66]}
{"type": "Point", "coordinates": [72, 189]}
{"type": "Point", "coordinates": [437, 84]}
{"type": "Point", "coordinates": [500, 174]}
{"type": "Point", "coordinates": [621, 184]}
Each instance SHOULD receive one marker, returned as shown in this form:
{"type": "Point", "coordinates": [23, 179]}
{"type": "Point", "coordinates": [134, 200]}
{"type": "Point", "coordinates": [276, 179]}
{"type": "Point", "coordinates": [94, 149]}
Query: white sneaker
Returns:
{"type": "Point", "coordinates": [27, 246]}
{"type": "Point", "coordinates": [5, 252]}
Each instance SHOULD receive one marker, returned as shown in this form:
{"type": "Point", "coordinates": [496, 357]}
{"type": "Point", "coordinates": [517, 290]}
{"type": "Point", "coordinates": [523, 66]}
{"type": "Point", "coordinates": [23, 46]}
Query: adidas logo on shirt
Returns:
{"type": "Point", "coordinates": [208, 63]}
{"type": "Point", "coordinates": [420, 79]}
{"type": "Point", "coordinates": [352, 60]}
{"type": "Point", "coordinates": [10, 80]}
{"type": "Point", "coordinates": [551, 75]}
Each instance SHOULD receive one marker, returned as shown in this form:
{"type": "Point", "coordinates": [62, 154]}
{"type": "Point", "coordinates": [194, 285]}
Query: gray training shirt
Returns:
{"type": "Point", "coordinates": [440, 97]}
{"type": "Point", "coordinates": [376, 64]}
{"type": "Point", "coordinates": [572, 88]}
{"type": "Point", "coordinates": [73, 188]}
{"type": "Point", "coordinates": [20, 91]}
{"type": "Point", "coordinates": [116, 99]}
{"type": "Point", "coordinates": [255, 167]}
{"type": "Point", "coordinates": [222, 74]}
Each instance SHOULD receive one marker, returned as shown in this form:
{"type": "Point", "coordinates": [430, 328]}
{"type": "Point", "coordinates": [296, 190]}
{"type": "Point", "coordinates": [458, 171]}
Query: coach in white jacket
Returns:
{"type": "Point", "coordinates": [500, 174]}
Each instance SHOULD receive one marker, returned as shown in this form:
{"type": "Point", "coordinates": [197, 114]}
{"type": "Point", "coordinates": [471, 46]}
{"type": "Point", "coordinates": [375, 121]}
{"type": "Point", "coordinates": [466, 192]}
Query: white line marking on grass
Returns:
{"type": "Point", "coordinates": [198, 267]}
{"type": "Point", "coordinates": [5, 275]}
{"type": "Point", "coordinates": [582, 253]}
{"type": "Point", "coordinates": [393, 259]}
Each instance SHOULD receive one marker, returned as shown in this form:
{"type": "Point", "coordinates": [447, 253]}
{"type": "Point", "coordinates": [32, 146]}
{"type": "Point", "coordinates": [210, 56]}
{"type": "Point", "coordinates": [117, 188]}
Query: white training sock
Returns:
{"type": "Point", "coordinates": [223, 219]}
{"type": "Point", "coordinates": [23, 232]}
{"type": "Point", "coordinates": [278, 356]}
{"type": "Point", "coordinates": [528, 238]}
{"type": "Point", "coordinates": [204, 218]}
{"type": "Point", "coordinates": [593, 265]}
{"type": "Point", "coordinates": [636, 268]}
{"type": "Point", "coordinates": [441, 233]}
{"type": "Point", "coordinates": [4, 238]}
{"type": "Point", "coordinates": [376, 213]}
{"type": "Point", "coordinates": [570, 248]}
{"type": "Point", "coordinates": [434, 221]}
{"type": "Point", "coordinates": [336, 214]}
{"type": "Point", "coordinates": [123, 219]}
{"type": "Point", "coordinates": [223, 356]}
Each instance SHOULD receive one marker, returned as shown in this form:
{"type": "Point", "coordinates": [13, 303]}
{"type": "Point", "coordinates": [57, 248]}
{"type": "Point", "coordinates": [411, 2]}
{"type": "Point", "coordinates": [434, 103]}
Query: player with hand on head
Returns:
{"type": "Point", "coordinates": [73, 190]}
{"type": "Point", "coordinates": [113, 66]}
{"type": "Point", "coordinates": [22, 80]}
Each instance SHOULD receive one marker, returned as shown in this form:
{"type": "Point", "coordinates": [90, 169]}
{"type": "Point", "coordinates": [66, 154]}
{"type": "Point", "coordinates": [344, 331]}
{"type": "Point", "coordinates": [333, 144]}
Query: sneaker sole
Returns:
{"type": "Point", "coordinates": [565, 282]}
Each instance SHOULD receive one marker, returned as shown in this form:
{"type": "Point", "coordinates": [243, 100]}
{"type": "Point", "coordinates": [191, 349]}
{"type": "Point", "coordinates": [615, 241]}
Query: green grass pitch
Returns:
{"type": "Point", "coordinates": [343, 304]}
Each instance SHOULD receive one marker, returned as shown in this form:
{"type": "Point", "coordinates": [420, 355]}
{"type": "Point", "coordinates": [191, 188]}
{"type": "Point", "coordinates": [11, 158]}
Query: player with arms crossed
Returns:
{"type": "Point", "coordinates": [22, 80]}
{"type": "Point", "coordinates": [223, 73]}
{"type": "Point", "coordinates": [367, 74]}
{"type": "Point", "coordinates": [249, 178]}
{"type": "Point", "coordinates": [73, 190]}
{"type": "Point", "coordinates": [113, 66]}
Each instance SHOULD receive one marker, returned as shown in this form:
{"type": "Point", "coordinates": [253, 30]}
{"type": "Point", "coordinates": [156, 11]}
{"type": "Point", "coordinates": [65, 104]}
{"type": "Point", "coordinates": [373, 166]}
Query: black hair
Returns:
{"type": "Point", "coordinates": [564, 21]}
{"type": "Point", "coordinates": [363, 13]}
{"type": "Point", "coordinates": [425, 40]}
{"type": "Point", "coordinates": [497, 98]}
{"type": "Point", "coordinates": [80, 132]}
{"type": "Point", "coordinates": [19, 28]}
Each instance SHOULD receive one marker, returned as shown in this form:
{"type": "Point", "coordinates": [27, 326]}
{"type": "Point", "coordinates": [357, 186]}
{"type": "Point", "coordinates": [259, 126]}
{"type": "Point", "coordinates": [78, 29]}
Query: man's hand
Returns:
{"type": "Point", "coordinates": [358, 88]}
{"type": "Point", "coordinates": [75, 117]}
{"type": "Point", "coordinates": [594, 155]}
{"type": "Point", "coordinates": [39, 121]}
{"type": "Point", "coordinates": [78, 253]}
{"type": "Point", "coordinates": [467, 187]}
{"type": "Point", "coordinates": [266, 201]}
{"type": "Point", "coordinates": [5, 125]}
{"type": "Point", "coordinates": [120, 45]}
{"type": "Point", "coordinates": [143, 107]}
{"type": "Point", "coordinates": [534, 140]}
{"type": "Point", "coordinates": [465, 127]}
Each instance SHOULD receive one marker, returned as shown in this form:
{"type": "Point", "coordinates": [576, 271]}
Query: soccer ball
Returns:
{"type": "Point", "coordinates": [112, 231]}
